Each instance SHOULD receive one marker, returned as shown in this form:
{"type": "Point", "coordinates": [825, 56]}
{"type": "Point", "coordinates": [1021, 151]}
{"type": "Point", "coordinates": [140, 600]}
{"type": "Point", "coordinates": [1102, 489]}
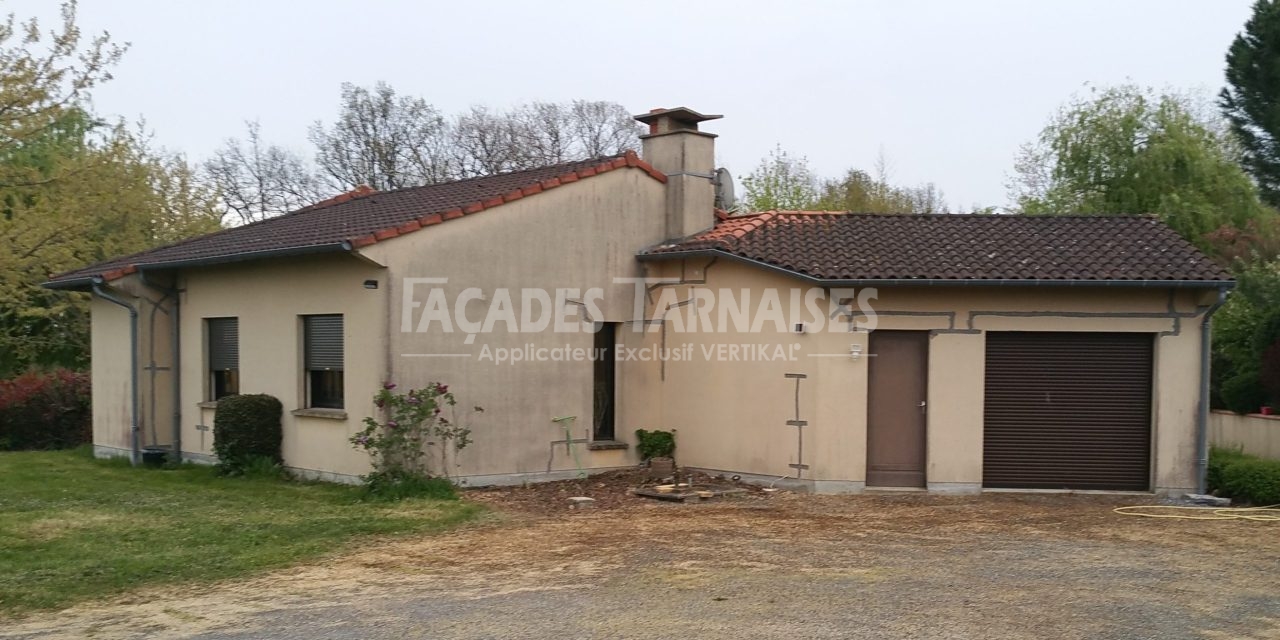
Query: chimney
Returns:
{"type": "Point", "coordinates": [675, 147]}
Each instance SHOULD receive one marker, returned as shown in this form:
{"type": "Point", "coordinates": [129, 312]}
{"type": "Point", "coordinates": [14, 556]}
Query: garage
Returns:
{"type": "Point", "coordinates": [1067, 411]}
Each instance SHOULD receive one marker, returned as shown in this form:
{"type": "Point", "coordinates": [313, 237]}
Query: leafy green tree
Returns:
{"type": "Point", "coordinates": [73, 189]}
{"type": "Point", "coordinates": [780, 182]}
{"type": "Point", "coordinates": [861, 192]}
{"type": "Point", "coordinates": [1243, 330]}
{"type": "Point", "coordinates": [107, 194]}
{"type": "Point", "coordinates": [1126, 150]}
{"type": "Point", "coordinates": [1251, 99]}
{"type": "Point", "coordinates": [784, 182]}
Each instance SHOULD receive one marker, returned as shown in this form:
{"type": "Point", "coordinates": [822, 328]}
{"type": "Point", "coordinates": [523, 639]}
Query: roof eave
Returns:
{"type": "Point", "coordinates": [83, 283]}
{"type": "Point", "coordinates": [938, 282]}
{"type": "Point", "coordinates": [74, 284]}
{"type": "Point", "coordinates": [628, 159]}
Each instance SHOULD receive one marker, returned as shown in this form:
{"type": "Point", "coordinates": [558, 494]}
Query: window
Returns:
{"type": "Point", "coordinates": [322, 344]}
{"type": "Point", "coordinates": [223, 357]}
{"type": "Point", "coordinates": [604, 365]}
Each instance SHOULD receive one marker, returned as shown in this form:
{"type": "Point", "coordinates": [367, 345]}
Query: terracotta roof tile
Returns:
{"type": "Point", "coordinates": [852, 246]}
{"type": "Point", "coordinates": [361, 217]}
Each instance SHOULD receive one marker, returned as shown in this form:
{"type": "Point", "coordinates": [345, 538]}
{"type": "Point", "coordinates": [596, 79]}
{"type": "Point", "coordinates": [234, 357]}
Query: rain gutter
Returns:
{"type": "Point", "coordinates": [937, 282]}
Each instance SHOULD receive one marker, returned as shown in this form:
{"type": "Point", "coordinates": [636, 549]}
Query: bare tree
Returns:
{"type": "Point", "coordinates": [256, 181]}
{"type": "Point", "coordinates": [541, 133]}
{"type": "Point", "coordinates": [381, 140]}
{"type": "Point", "coordinates": [388, 141]}
{"type": "Point", "coordinates": [603, 128]}
{"type": "Point", "coordinates": [486, 143]}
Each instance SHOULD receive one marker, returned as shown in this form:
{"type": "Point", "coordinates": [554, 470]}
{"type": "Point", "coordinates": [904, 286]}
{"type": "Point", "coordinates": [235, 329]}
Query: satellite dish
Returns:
{"type": "Point", "coordinates": [725, 199]}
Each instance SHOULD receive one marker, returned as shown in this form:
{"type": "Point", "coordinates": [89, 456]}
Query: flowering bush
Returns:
{"type": "Point", "coordinates": [49, 410]}
{"type": "Point", "coordinates": [412, 421]}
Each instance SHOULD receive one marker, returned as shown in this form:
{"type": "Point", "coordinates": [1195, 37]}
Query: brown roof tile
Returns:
{"type": "Point", "coordinates": [855, 247]}
{"type": "Point", "coordinates": [360, 217]}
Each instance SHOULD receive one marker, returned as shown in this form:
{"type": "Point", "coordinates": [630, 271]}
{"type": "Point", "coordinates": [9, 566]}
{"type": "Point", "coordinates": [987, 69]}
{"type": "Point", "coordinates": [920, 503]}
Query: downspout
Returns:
{"type": "Point", "coordinates": [175, 337]}
{"type": "Point", "coordinates": [175, 377]}
{"type": "Point", "coordinates": [135, 453]}
{"type": "Point", "coordinates": [1202, 418]}
{"type": "Point", "coordinates": [156, 307]}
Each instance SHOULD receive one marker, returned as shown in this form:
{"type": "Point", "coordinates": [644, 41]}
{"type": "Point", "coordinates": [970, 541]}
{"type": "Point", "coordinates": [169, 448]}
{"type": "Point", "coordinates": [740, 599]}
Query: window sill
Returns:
{"type": "Point", "coordinates": [328, 414]}
{"type": "Point", "coordinates": [606, 445]}
{"type": "Point", "coordinates": [208, 404]}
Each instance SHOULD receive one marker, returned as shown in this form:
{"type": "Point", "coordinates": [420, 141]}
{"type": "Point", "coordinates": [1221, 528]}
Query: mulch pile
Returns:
{"type": "Point", "coordinates": [610, 490]}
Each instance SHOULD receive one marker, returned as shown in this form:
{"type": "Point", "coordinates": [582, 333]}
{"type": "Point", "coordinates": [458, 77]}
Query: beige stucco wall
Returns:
{"type": "Point", "coordinates": [109, 354]}
{"type": "Point", "coordinates": [732, 416]}
{"type": "Point", "coordinates": [109, 360]}
{"type": "Point", "coordinates": [1255, 434]}
{"type": "Point", "coordinates": [579, 236]}
{"type": "Point", "coordinates": [268, 297]}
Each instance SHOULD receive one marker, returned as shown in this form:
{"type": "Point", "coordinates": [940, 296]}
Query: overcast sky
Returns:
{"type": "Point", "coordinates": [948, 89]}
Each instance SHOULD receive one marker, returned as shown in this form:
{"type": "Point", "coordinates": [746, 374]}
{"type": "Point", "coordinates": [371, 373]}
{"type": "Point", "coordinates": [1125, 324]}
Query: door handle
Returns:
{"type": "Point", "coordinates": [922, 405]}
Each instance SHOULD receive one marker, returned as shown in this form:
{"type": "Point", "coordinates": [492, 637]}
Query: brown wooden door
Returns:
{"type": "Point", "coordinates": [897, 372]}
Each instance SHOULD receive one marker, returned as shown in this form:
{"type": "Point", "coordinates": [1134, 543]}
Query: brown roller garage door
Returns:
{"type": "Point", "coordinates": [1068, 411]}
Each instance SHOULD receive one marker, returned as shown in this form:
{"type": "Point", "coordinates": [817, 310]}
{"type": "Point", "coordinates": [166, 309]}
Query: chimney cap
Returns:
{"type": "Point", "coordinates": [683, 115]}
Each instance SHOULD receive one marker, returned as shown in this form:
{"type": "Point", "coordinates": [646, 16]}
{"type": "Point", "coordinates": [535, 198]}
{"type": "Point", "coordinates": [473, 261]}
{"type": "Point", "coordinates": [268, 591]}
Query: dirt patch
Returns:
{"type": "Point", "coordinates": [68, 522]}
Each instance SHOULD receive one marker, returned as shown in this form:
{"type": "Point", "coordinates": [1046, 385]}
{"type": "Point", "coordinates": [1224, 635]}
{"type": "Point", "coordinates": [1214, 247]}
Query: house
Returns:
{"type": "Point", "coordinates": [578, 302]}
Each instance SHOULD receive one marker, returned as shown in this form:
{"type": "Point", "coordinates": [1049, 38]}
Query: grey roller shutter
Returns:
{"type": "Point", "coordinates": [224, 344]}
{"type": "Point", "coordinates": [1068, 411]}
{"type": "Point", "coordinates": [323, 342]}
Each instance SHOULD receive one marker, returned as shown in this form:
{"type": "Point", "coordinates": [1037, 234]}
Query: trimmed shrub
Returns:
{"type": "Point", "coordinates": [1219, 458]}
{"type": "Point", "coordinates": [1244, 477]}
{"type": "Point", "coordinates": [46, 410]}
{"type": "Point", "coordinates": [1254, 480]}
{"type": "Point", "coordinates": [246, 430]}
{"type": "Point", "coordinates": [655, 444]}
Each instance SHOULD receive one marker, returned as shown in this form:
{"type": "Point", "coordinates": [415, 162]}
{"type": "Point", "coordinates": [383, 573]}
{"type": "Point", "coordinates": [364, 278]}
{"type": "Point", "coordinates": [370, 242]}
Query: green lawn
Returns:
{"type": "Point", "coordinates": [74, 528]}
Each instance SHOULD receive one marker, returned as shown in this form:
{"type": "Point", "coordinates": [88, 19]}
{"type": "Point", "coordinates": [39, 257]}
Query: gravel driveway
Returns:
{"type": "Point", "coordinates": [781, 566]}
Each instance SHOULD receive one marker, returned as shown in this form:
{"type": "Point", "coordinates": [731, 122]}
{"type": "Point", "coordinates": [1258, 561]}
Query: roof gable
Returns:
{"type": "Point", "coordinates": [352, 220]}
{"type": "Point", "coordinates": [960, 249]}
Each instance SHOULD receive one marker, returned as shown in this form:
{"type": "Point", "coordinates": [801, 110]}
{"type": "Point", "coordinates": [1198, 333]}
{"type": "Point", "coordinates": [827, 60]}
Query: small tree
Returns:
{"type": "Point", "coordinates": [655, 443]}
{"type": "Point", "coordinates": [398, 443]}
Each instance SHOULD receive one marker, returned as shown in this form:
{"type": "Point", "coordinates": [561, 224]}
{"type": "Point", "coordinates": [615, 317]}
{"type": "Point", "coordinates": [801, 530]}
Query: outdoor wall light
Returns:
{"type": "Point", "coordinates": [371, 284]}
{"type": "Point", "coordinates": [855, 351]}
